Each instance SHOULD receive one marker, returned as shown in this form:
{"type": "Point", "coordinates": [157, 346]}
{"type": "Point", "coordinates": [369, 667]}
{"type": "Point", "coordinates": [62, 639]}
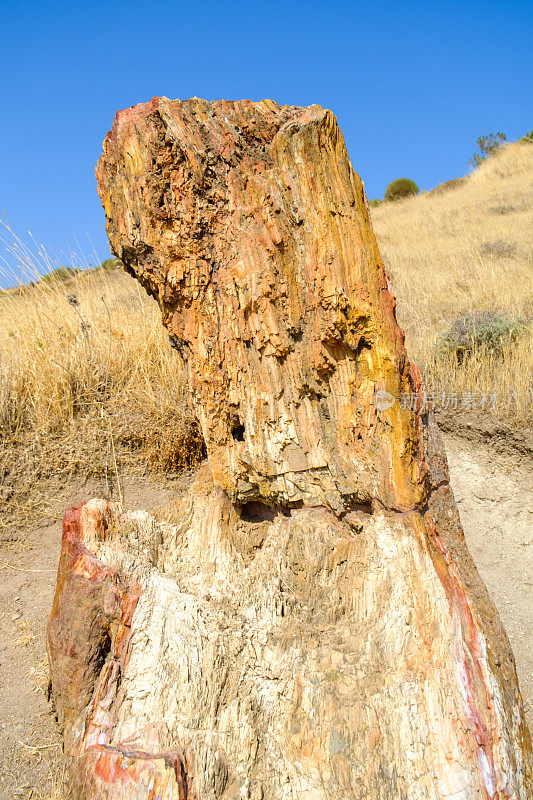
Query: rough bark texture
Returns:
{"type": "Point", "coordinates": [306, 622]}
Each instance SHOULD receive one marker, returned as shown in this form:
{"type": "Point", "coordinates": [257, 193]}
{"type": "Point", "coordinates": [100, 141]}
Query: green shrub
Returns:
{"type": "Point", "coordinates": [482, 330]}
{"type": "Point", "coordinates": [60, 274]}
{"type": "Point", "coordinates": [402, 187]}
{"type": "Point", "coordinates": [487, 146]}
{"type": "Point", "coordinates": [527, 139]}
{"type": "Point", "coordinates": [111, 263]}
{"type": "Point", "coordinates": [499, 248]}
{"type": "Point", "coordinates": [375, 202]}
{"type": "Point", "coordinates": [454, 183]}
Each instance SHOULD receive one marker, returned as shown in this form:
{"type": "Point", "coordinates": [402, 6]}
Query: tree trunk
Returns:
{"type": "Point", "coordinates": [306, 622]}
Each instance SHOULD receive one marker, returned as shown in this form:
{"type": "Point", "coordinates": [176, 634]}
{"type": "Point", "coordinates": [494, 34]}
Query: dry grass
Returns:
{"type": "Point", "coordinates": [89, 384]}
{"type": "Point", "coordinates": [468, 249]}
{"type": "Point", "coordinates": [58, 788]}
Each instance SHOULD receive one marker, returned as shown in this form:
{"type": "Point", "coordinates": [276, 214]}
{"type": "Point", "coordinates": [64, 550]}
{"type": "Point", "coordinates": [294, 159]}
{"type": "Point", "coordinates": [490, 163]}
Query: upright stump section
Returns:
{"type": "Point", "coordinates": [306, 622]}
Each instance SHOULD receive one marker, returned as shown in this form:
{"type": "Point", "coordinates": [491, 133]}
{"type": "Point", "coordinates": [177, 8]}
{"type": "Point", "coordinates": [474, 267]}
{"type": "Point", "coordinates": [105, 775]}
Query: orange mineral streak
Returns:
{"type": "Point", "coordinates": [87, 566]}
{"type": "Point", "coordinates": [160, 778]}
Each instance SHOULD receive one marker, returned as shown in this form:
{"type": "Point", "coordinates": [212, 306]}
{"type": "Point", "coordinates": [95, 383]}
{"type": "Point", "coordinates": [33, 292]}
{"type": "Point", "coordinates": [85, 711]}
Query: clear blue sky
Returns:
{"type": "Point", "coordinates": [413, 85]}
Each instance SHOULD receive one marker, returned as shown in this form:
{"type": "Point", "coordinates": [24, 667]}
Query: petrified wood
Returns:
{"type": "Point", "coordinates": [306, 622]}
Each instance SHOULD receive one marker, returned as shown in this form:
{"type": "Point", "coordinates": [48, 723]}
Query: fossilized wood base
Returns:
{"type": "Point", "coordinates": [218, 652]}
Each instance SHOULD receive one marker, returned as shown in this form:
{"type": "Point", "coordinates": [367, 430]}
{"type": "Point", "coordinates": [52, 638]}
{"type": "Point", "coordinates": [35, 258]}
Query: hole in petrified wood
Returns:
{"type": "Point", "coordinates": [362, 344]}
{"type": "Point", "coordinates": [358, 515]}
{"type": "Point", "coordinates": [255, 511]}
{"type": "Point", "coordinates": [296, 334]}
{"type": "Point", "coordinates": [363, 506]}
{"type": "Point", "coordinates": [238, 432]}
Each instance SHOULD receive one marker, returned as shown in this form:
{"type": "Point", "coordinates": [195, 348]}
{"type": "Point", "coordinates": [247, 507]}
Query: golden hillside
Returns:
{"type": "Point", "coordinates": [462, 250]}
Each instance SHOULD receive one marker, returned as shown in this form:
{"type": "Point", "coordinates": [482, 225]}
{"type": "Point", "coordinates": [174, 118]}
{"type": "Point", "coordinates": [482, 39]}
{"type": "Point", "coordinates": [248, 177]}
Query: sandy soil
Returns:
{"type": "Point", "coordinates": [493, 492]}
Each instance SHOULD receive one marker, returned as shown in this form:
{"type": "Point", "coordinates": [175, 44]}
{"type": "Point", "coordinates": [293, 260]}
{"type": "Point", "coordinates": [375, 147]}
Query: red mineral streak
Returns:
{"type": "Point", "coordinates": [471, 658]}
{"type": "Point", "coordinates": [161, 774]}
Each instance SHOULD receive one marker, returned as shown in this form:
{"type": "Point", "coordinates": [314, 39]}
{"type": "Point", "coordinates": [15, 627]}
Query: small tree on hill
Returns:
{"type": "Point", "coordinates": [487, 146]}
{"type": "Point", "coordinates": [402, 187]}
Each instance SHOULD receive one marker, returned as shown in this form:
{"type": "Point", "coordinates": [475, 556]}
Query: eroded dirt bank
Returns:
{"type": "Point", "coordinates": [493, 491]}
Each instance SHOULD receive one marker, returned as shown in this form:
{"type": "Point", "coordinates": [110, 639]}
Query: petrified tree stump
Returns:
{"type": "Point", "coordinates": [306, 622]}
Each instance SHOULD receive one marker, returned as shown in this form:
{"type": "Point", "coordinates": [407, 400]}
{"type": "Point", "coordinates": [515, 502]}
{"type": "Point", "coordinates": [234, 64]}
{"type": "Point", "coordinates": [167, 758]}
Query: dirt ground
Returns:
{"type": "Point", "coordinates": [493, 490]}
